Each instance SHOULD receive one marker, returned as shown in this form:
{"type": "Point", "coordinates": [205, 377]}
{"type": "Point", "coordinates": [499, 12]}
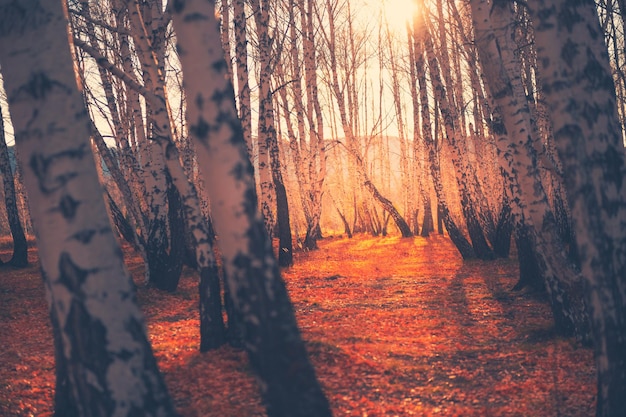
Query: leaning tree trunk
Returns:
{"type": "Point", "coordinates": [165, 277]}
{"type": "Point", "coordinates": [110, 368]}
{"type": "Point", "coordinates": [580, 92]}
{"type": "Point", "coordinates": [464, 174]}
{"type": "Point", "coordinates": [289, 386]}
{"type": "Point", "coordinates": [518, 161]}
{"type": "Point", "coordinates": [443, 214]}
{"type": "Point", "coordinates": [20, 246]}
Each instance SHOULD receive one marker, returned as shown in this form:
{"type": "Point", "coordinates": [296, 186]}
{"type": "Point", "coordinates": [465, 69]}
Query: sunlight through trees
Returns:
{"type": "Point", "coordinates": [230, 135]}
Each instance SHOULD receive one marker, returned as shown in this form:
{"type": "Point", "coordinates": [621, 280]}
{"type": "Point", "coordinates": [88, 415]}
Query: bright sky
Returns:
{"type": "Point", "coordinates": [397, 12]}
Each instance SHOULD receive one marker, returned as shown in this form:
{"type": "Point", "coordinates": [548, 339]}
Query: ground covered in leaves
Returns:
{"type": "Point", "coordinates": [394, 327]}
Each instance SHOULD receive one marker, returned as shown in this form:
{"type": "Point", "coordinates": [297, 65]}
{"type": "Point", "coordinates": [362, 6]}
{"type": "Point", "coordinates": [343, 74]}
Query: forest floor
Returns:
{"type": "Point", "coordinates": [394, 327]}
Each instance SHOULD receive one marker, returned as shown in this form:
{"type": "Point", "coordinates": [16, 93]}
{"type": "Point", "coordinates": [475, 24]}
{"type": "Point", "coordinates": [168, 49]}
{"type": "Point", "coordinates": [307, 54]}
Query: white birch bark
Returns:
{"type": "Point", "coordinates": [19, 258]}
{"type": "Point", "coordinates": [108, 360]}
{"type": "Point", "coordinates": [265, 122]}
{"type": "Point", "coordinates": [580, 93]}
{"type": "Point", "coordinates": [272, 338]}
{"type": "Point", "coordinates": [243, 81]}
{"type": "Point", "coordinates": [456, 144]}
{"type": "Point", "coordinates": [457, 237]}
{"type": "Point", "coordinates": [518, 161]}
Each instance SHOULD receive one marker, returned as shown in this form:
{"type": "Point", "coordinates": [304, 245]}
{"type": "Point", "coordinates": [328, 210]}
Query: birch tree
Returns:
{"type": "Point", "coordinates": [267, 138]}
{"type": "Point", "coordinates": [512, 126]}
{"type": "Point", "coordinates": [580, 93]}
{"type": "Point", "coordinates": [20, 246]}
{"type": "Point", "coordinates": [241, 64]}
{"type": "Point", "coordinates": [456, 235]}
{"type": "Point", "coordinates": [454, 139]}
{"type": "Point", "coordinates": [102, 347]}
{"type": "Point", "coordinates": [272, 339]}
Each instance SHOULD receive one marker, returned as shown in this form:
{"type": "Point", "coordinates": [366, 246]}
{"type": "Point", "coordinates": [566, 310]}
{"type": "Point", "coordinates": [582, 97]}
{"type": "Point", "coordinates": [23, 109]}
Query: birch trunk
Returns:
{"type": "Point", "coordinates": [317, 147]}
{"type": "Point", "coordinates": [265, 123]}
{"type": "Point", "coordinates": [454, 139]}
{"type": "Point", "coordinates": [267, 136]}
{"type": "Point", "coordinates": [19, 258]}
{"type": "Point", "coordinates": [106, 355]}
{"type": "Point", "coordinates": [274, 345]}
{"type": "Point", "coordinates": [580, 93]}
{"type": "Point", "coordinates": [518, 161]}
{"type": "Point", "coordinates": [241, 62]}
{"type": "Point", "coordinates": [456, 235]}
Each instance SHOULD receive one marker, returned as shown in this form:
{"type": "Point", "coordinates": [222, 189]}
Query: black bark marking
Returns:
{"type": "Point", "coordinates": [201, 129]}
{"type": "Point", "coordinates": [200, 101]}
{"type": "Point", "coordinates": [568, 18]}
{"type": "Point", "coordinates": [124, 355]}
{"type": "Point", "coordinates": [72, 276]}
{"type": "Point", "coordinates": [41, 166]}
{"type": "Point", "coordinates": [84, 236]}
{"type": "Point", "coordinates": [39, 86]}
{"type": "Point", "coordinates": [242, 261]}
{"type": "Point", "coordinates": [613, 167]}
{"type": "Point", "coordinates": [250, 202]}
{"type": "Point", "coordinates": [219, 66]}
{"type": "Point", "coordinates": [239, 172]}
{"type": "Point", "coordinates": [68, 206]}
{"type": "Point", "coordinates": [88, 358]}
{"type": "Point", "coordinates": [178, 6]}
{"type": "Point", "coordinates": [170, 150]}
{"type": "Point", "coordinates": [596, 76]}
{"type": "Point", "coordinates": [237, 133]}
{"type": "Point", "coordinates": [195, 17]}
{"type": "Point", "coordinates": [20, 16]}
{"type": "Point", "coordinates": [569, 52]}
{"type": "Point", "coordinates": [135, 329]}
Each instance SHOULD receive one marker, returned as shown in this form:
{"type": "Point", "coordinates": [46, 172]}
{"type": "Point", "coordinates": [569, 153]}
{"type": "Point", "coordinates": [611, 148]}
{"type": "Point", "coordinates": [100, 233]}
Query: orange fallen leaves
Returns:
{"type": "Point", "coordinates": [394, 327]}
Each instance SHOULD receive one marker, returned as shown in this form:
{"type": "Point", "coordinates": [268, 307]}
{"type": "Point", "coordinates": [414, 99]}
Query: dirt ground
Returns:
{"type": "Point", "coordinates": [394, 327]}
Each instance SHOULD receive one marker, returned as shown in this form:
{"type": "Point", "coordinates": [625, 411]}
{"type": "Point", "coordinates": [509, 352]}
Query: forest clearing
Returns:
{"type": "Point", "coordinates": [393, 327]}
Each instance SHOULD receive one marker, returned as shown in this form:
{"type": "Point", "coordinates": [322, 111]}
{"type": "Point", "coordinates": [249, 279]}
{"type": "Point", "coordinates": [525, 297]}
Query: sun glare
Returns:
{"type": "Point", "coordinates": [398, 12]}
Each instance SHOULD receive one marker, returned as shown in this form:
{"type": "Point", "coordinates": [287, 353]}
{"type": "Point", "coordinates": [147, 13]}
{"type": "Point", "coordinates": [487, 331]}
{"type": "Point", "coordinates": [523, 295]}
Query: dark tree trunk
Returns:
{"type": "Point", "coordinates": [312, 236]}
{"type": "Point", "coordinates": [123, 226]}
{"type": "Point", "coordinates": [106, 355]}
{"type": "Point", "coordinates": [64, 403]}
{"type": "Point", "coordinates": [346, 225]}
{"type": "Point", "coordinates": [310, 242]}
{"type": "Point", "coordinates": [285, 244]}
{"type": "Point", "coordinates": [475, 230]}
{"type": "Point", "coordinates": [456, 236]}
{"type": "Point", "coordinates": [580, 92]}
{"type": "Point", "coordinates": [566, 230]}
{"type": "Point", "coordinates": [415, 221]}
{"type": "Point", "coordinates": [404, 228]}
{"type": "Point", "coordinates": [504, 229]}
{"type": "Point", "coordinates": [20, 246]}
{"type": "Point", "coordinates": [439, 219]}
{"type": "Point", "coordinates": [530, 275]}
{"type": "Point", "coordinates": [275, 348]}
{"type": "Point", "coordinates": [166, 266]}
{"type": "Point", "coordinates": [235, 330]}
{"type": "Point", "coordinates": [212, 330]}
{"type": "Point", "coordinates": [428, 225]}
